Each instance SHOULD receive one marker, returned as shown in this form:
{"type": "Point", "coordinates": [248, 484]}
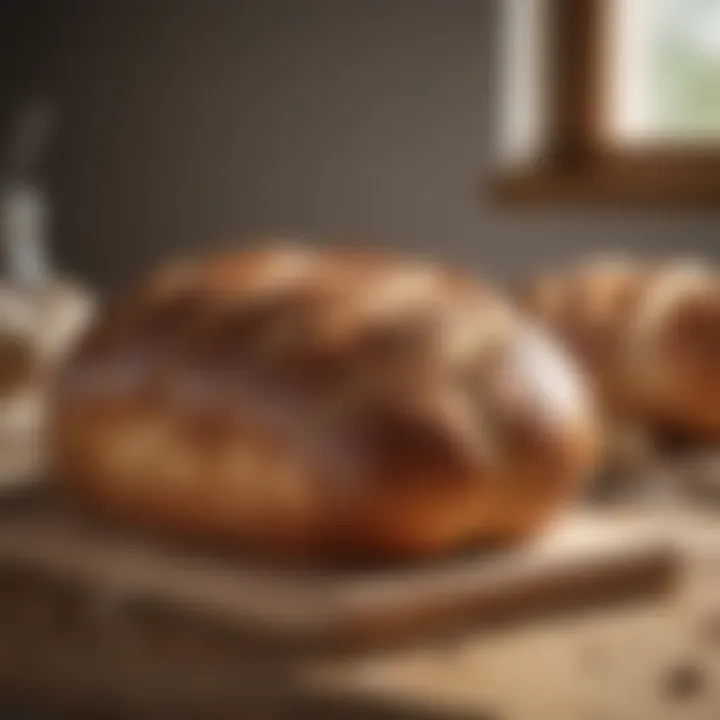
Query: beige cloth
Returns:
{"type": "Point", "coordinates": [47, 323]}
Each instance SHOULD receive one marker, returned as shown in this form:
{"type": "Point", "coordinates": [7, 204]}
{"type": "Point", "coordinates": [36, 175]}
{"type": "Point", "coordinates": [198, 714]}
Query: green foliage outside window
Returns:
{"type": "Point", "coordinates": [686, 66]}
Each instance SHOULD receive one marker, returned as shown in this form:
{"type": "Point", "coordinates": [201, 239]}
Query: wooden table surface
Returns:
{"type": "Point", "coordinates": [649, 661]}
{"type": "Point", "coordinates": [655, 659]}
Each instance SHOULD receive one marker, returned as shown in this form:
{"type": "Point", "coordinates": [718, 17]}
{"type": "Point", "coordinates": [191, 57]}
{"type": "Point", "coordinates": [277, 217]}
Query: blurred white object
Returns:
{"type": "Point", "coordinates": [41, 314]}
{"type": "Point", "coordinates": [522, 100]}
{"type": "Point", "coordinates": [23, 219]}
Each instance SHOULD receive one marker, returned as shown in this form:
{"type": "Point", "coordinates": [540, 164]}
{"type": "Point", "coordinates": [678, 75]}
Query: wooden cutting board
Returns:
{"type": "Point", "coordinates": [583, 560]}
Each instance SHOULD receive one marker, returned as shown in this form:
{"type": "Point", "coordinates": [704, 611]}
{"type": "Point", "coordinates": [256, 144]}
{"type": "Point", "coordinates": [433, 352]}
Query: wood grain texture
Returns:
{"type": "Point", "coordinates": [581, 561]}
{"type": "Point", "coordinates": [90, 620]}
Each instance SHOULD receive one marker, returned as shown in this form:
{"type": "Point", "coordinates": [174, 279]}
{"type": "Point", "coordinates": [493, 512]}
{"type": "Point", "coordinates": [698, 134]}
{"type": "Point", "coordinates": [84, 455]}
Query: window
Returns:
{"type": "Point", "coordinates": [665, 78]}
{"type": "Point", "coordinates": [610, 100]}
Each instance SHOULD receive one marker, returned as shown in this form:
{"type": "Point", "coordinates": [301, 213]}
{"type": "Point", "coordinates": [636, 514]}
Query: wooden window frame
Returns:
{"type": "Point", "coordinates": [576, 165]}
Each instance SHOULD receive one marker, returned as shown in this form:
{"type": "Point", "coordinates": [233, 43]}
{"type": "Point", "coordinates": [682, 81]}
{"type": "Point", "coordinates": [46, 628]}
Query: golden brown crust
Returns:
{"type": "Point", "coordinates": [648, 333]}
{"type": "Point", "coordinates": [321, 404]}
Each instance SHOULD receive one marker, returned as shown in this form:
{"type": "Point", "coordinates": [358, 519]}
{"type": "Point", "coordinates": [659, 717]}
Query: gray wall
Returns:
{"type": "Point", "coordinates": [192, 122]}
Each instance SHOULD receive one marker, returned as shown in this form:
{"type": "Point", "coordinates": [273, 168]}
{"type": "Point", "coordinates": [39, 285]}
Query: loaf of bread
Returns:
{"type": "Point", "coordinates": [647, 333]}
{"type": "Point", "coordinates": [322, 405]}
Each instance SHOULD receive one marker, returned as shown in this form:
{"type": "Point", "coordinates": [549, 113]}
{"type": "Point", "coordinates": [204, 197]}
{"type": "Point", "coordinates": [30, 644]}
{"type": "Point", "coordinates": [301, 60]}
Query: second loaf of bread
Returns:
{"type": "Point", "coordinates": [647, 333]}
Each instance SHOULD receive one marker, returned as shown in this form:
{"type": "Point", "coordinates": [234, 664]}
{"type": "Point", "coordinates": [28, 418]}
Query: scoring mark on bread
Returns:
{"type": "Point", "coordinates": [397, 292]}
{"type": "Point", "coordinates": [669, 287]}
{"type": "Point", "coordinates": [130, 452]}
